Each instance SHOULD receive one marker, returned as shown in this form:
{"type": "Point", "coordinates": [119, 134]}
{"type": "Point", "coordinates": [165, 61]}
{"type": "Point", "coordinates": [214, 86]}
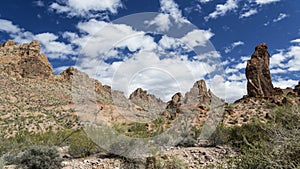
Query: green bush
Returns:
{"type": "Point", "coordinates": [40, 157]}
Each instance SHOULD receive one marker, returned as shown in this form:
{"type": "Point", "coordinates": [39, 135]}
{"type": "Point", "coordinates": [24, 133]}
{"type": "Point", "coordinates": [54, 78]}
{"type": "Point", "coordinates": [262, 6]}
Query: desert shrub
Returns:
{"type": "Point", "coordinates": [140, 129]}
{"type": "Point", "coordinates": [170, 163]}
{"type": "Point", "coordinates": [187, 140]}
{"type": "Point", "coordinates": [221, 135]}
{"type": "Point", "coordinates": [81, 145]}
{"type": "Point", "coordinates": [1, 162]}
{"type": "Point", "coordinates": [40, 157]}
{"type": "Point", "coordinates": [275, 144]}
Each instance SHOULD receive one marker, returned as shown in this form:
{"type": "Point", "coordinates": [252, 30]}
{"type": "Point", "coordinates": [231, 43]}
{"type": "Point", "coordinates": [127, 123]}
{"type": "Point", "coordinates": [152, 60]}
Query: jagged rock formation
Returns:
{"type": "Point", "coordinates": [143, 101]}
{"type": "Point", "coordinates": [173, 106]}
{"type": "Point", "coordinates": [175, 102]}
{"type": "Point", "coordinates": [258, 73]}
{"type": "Point", "coordinates": [142, 98]}
{"type": "Point", "coordinates": [24, 60]}
{"type": "Point", "coordinates": [139, 95]}
{"type": "Point", "coordinates": [198, 93]}
{"type": "Point", "coordinates": [69, 73]}
{"type": "Point", "coordinates": [197, 104]}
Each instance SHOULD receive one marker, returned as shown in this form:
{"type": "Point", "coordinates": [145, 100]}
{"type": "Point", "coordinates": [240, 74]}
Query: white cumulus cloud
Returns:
{"type": "Point", "coordinates": [204, 1]}
{"type": "Point", "coordinates": [280, 17]}
{"type": "Point", "coordinates": [159, 67]}
{"type": "Point", "coordinates": [222, 9]}
{"type": "Point", "coordinates": [295, 41]}
{"type": "Point", "coordinates": [233, 45]}
{"type": "Point", "coordinates": [248, 13]}
{"type": "Point", "coordinates": [86, 9]}
{"type": "Point", "coordinates": [8, 26]}
{"type": "Point", "coordinates": [287, 59]}
{"type": "Point", "coordinates": [263, 2]}
{"type": "Point", "coordinates": [170, 7]}
{"type": "Point", "coordinates": [284, 83]}
{"type": "Point", "coordinates": [162, 21]}
{"type": "Point", "coordinates": [197, 38]}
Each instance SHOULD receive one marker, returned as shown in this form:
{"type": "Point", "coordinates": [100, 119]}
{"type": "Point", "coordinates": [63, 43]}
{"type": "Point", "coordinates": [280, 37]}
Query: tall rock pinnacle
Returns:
{"type": "Point", "coordinates": [258, 73]}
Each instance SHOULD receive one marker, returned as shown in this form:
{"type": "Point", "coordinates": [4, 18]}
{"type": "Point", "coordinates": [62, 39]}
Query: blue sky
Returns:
{"type": "Point", "coordinates": [164, 51]}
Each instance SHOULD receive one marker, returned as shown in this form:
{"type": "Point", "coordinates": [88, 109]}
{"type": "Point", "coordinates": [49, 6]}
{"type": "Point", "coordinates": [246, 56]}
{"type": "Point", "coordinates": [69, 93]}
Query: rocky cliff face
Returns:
{"type": "Point", "coordinates": [24, 60]}
{"type": "Point", "coordinates": [258, 73]}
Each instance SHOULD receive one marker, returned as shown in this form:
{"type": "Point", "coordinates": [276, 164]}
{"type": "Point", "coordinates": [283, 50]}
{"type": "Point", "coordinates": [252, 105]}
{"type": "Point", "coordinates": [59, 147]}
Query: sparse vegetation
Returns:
{"type": "Point", "coordinates": [142, 130]}
{"type": "Point", "coordinates": [79, 143]}
{"type": "Point", "coordinates": [275, 144]}
{"type": "Point", "coordinates": [38, 157]}
{"type": "Point", "coordinates": [166, 162]}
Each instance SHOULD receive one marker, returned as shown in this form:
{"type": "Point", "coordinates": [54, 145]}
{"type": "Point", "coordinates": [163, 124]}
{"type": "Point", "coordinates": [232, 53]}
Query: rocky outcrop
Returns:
{"type": "Point", "coordinates": [175, 102]}
{"type": "Point", "coordinates": [297, 89]}
{"type": "Point", "coordinates": [70, 72]}
{"type": "Point", "coordinates": [139, 95]}
{"type": "Point", "coordinates": [198, 93]}
{"type": "Point", "coordinates": [258, 73]}
{"type": "Point", "coordinates": [197, 104]}
{"type": "Point", "coordinates": [173, 106]}
{"type": "Point", "coordinates": [146, 102]}
{"type": "Point", "coordinates": [24, 61]}
{"type": "Point", "coordinates": [78, 79]}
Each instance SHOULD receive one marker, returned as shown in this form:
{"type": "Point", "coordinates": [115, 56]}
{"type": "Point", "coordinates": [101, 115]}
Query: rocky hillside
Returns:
{"type": "Point", "coordinates": [36, 103]}
{"type": "Point", "coordinates": [33, 99]}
